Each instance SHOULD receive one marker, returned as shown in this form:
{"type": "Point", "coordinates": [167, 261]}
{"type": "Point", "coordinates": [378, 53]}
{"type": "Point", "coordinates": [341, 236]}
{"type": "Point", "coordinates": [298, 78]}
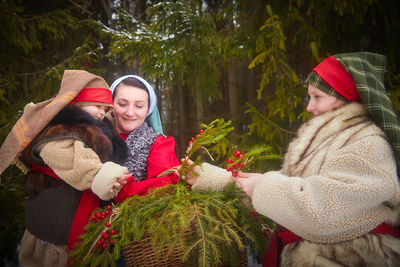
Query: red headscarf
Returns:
{"type": "Point", "coordinates": [336, 76]}
{"type": "Point", "coordinates": [98, 95]}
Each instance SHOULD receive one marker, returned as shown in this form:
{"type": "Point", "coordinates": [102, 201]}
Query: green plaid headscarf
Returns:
{"type": "Point", "coordinates": [367, 71]}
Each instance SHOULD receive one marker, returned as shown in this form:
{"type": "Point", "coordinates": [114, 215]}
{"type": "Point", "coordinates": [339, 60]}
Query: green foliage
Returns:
{"type": "Point", "coordinates": [188, 45]}
{"type": "Point", "coordinates": [211, 134]}
{"type": "Point", "coordinates": [36, 49]}
{"type": "Point", "coordinates": [243, 162]}
{"type": "Point", "coordinates": [206, 224]}
{"type": "Point", "coordinates": [209, 226]}
{"type": "Point", "coordinates": [284, 96]}
{"type": "Point", "coordinates": [40, 39]}
{"type": "Point", "coordinates": [331, 27]}
{"type": "Point", "coordinates": [12, 203]}
{"type": "Point", "coordinates": [393, 81]}
{"type": "Point", "coordinates": [265, 128]}
{"type": "Point", "coordinates": [214, 138]}
{"type": "Point", "coordinates": [176, 38]}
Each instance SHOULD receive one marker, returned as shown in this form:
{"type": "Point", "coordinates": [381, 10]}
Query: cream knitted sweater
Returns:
{"type": "Point", "coordinates": [338, 180]}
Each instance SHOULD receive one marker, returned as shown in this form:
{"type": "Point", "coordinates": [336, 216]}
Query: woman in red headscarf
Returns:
{"type": "Point", "coordinates": [337, 196]}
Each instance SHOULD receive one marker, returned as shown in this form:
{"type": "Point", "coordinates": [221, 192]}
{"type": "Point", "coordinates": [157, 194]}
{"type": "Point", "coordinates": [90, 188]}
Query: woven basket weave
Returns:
{"type": "Point", "coordinates": [142, 254]}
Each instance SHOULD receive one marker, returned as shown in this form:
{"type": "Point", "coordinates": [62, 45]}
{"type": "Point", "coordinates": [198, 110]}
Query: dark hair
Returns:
{"type": "Point", "coordinates": [130, 81]}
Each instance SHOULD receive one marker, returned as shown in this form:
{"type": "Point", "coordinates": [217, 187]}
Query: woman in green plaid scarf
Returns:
{"type": "Point", "coordinates": [337, 196]}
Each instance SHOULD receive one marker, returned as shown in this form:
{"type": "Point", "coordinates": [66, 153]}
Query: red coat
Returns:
{"type": "Point", "coordinates": [161, 157]}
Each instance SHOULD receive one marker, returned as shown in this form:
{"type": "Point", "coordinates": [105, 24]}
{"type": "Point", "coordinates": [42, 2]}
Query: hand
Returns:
{"type": "Point", "coordinates": [246, 174]}
{"type": "Point", "coordinates": [120, 182]}
{"type": "Point", "coordinates": [189, 178]}
{"type": "Point", "coordinates": [248, 182]}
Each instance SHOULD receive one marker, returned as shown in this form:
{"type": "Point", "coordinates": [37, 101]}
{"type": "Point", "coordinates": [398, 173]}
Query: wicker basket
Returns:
{"type": "Point", "coordinates": [142, 254]}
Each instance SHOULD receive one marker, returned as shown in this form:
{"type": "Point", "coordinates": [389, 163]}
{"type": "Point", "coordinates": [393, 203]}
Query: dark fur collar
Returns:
{"type": "Point", "coordinates": [73, 115]}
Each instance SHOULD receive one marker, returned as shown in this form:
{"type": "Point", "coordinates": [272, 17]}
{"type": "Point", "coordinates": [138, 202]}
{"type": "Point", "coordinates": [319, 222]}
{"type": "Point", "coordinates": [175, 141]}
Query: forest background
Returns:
{"type": "Point", "coordinates": [244, 61]}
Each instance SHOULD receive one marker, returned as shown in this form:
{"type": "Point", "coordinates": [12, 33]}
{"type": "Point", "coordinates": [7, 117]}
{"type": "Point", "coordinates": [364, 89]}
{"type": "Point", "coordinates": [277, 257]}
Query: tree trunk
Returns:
{"type": "Point", "coordinates": [250, 82]}
{"type": "Point", "coordinates": [199, 108]}
{"type": "Point", "coordinates": [108, 11]}
{"type": "Point", "coordinates": [182, 120]}
{"type": "Point", "coordinates": [233, 97]}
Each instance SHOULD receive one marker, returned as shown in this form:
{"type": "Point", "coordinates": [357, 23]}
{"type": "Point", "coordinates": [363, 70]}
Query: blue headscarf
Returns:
{"type": "Point", "coordinates": [153, 116]}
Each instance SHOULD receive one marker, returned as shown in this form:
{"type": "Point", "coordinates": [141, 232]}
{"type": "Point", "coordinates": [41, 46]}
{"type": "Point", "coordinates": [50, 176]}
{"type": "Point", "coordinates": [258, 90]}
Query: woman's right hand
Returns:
{"type": "Point", "coordinates": [246, 174]}
{"type": "Point", "coordinates": [194, 171]}
{"type": "Point", "coordinates": [247, 181]}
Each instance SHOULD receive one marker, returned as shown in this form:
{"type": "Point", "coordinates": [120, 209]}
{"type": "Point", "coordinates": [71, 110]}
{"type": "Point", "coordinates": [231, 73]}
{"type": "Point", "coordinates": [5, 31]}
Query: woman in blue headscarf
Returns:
{"type": "Point", "coordinates": [136, 118]}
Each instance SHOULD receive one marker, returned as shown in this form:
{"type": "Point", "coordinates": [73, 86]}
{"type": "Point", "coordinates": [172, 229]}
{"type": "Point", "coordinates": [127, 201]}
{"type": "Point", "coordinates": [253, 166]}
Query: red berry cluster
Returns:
{"type": "Point", "coordinates": [106, 237]}
{"type": "Point", "coordinates": [193, 138]}
{"type": "Point", "coordinates": [100, 216]}
{"type": "Point", "coordinates": [235, 163]}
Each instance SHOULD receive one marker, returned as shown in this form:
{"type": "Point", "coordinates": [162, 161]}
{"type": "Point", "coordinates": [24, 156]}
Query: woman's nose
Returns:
{"type": "Point", "coordinates": [310, 106]}
{"type": "Point", "coordinates": [129, 111]}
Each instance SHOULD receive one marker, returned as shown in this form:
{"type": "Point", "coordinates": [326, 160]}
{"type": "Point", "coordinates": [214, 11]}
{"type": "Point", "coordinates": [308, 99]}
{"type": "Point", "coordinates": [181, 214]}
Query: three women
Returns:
{"type": "Point", "coordinates": [337, 195]}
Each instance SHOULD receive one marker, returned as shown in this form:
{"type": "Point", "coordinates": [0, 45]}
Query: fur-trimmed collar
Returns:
{"type": "Point", "coordinates": [69, 116]}
{"type": "Point", "coordinates": [319, 138]}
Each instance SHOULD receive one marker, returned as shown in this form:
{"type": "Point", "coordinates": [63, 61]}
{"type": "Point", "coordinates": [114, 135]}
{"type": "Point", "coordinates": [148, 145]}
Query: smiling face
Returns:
{"type": "Point", "coordinates": [320, 102]}
{"type": "Point", "coordinates": [130, 108]}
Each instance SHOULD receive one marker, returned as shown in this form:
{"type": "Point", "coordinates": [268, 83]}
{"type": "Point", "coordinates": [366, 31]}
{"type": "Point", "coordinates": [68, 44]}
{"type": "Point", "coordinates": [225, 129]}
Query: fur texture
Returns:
{"type": "Point", "coordinates": [369, 250]}
{"type": "Point", "coordinates": [309, 154]}
{"type": "Point", "coordinates": [99, 135]}
{"type": "Point", "coordinates": [73, 122]}
{"type": "Point", "coordinates": [52, 203]}
{"type": "Point", "coordinates": [338, 182]}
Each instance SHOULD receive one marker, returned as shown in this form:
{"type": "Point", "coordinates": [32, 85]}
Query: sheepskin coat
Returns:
{"type": "Point", "coordinates": [337, 183]}
{"type": "Point", "coordinates": [52, 203]}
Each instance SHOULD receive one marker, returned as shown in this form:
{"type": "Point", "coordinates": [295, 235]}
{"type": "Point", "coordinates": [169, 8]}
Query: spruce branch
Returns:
{"type": "Point", "coordinates": [210, 225]}
{"type": "Point", "coordinates": [210, 134]}
{"type": "Point", "coordinates": [202, 233]}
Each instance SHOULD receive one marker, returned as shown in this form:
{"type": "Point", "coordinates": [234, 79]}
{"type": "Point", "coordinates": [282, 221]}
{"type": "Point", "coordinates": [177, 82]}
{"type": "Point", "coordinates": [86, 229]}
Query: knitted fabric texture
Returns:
{"type": "Point", "coordinates": [139, 144]}
{"type": "Point", "coordinates": [367, 71]}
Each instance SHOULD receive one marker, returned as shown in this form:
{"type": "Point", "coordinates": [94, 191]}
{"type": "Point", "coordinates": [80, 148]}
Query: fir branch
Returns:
{"type": "Point", "coordinates": [202, 232]}
{"type": "Point", "coordinates": [210, 225]}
